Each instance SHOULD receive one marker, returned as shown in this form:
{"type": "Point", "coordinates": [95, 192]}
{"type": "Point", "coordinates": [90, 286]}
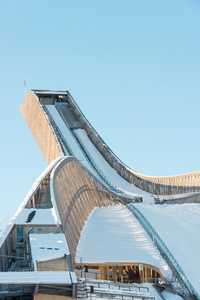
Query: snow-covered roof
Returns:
{"type": "Point", "coordinates": [113, 235]}
{"type": "Point", "coordinates": [39, 217]}
{"type": "Point", "coordinates": [43, 216]}
{"type": "Point", "coordinates": [61, 278]}
{"type": "Point", "coordinates": [45, 247]}
{"type": "Point", "coordinates": [34, 189]}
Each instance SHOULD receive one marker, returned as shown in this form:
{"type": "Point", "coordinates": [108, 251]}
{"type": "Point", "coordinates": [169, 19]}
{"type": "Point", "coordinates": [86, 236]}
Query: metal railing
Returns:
{"type": "Point", "coordinates": [163, 249]}
{"type": "Point", "coordinates": [121, 296]}
{"type": "Point", "coordinates": [97, 275]}
{"type": "Point", "coordinates": [39, 206]}
{"type": "Point", "coordinates": [5, 289]}
{"type": "Point", "coordinates": [23, 265]}
{"type": "Point", "coordinates": [128, 287]}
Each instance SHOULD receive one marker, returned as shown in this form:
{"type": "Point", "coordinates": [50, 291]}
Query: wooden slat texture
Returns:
{"type": "Point", "coordinates": [77, 193]}
{"type": "Point", "coordinates": [40, 128]}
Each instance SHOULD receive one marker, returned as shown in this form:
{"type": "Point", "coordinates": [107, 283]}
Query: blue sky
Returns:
{"type": "Point", "coordinates": [132, 66]}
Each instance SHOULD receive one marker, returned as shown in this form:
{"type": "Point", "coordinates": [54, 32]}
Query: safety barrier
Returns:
{"type": "Point", "coordinates": [110, 285]}
{"type": "Point", "coordinates": [96, 275]}
{"type": "Point", "coordinates": [108, 295]}
{"type": "Point", "coordinates": [10, 290]}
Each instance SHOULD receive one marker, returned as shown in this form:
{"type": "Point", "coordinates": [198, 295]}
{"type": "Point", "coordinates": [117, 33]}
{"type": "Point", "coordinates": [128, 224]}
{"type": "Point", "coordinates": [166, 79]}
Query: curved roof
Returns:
{"type": "Point", "coordinates": [113, 235]}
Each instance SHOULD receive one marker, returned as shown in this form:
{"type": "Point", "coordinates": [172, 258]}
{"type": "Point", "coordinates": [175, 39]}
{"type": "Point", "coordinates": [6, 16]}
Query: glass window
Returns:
{"type": "Point", "coordinates": [20, 234]}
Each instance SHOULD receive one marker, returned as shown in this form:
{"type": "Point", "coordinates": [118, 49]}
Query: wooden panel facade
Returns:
{"type": "Point", "coordinates": [59, 264]}
{"type": "Point", "coordinates": [77, 193]}
{"type": "Point", "coordinates": [40, 128]}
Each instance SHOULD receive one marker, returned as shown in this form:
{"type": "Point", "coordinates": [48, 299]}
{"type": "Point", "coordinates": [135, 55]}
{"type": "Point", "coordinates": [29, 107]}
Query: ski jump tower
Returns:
{"type": "Point", "coordinates": [82, 174]}
{"type": "Point", "coordinates": [38, 110]}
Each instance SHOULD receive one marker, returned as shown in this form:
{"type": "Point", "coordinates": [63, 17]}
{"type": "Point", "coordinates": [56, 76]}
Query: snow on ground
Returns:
{"type": "Point", "coordinates": [179, 228]}
{"type": "Point", "coordinates": [112, 234]}
{"type": "Point", "coordinates": [102, 164]}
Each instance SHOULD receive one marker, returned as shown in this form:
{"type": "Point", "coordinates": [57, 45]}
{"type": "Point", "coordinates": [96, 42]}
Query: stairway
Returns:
{"type": "Point", "coordinates": [81, 290]}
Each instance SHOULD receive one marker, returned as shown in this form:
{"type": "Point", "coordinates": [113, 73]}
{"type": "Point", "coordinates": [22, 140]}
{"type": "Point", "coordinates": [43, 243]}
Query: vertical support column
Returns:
{"type": "Point", "coordinates": [101, 271]}
{"type": "Point", "coordinates": [141, 270]}
{"type": "Point", "coordinates": [104, 270]}
{"type": "Point", "coordinates": [33, 201]}
{"type": "Point", "coordinates": [148, 274]}
{"type": "Point", "coordinates": [107, 272]}
{"type": "Point", "coordinates": [121, 273]}
{"type": "Point", "coordinates": [144, 274]}
{"type": "Point", "coordinates": [114, 273]}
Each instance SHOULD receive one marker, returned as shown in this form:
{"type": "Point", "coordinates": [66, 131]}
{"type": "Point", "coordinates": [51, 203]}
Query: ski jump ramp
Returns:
{"type": "Point", "coordinates": [60, 128]}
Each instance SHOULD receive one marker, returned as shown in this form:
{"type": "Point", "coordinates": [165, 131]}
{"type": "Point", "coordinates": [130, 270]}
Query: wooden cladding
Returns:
{"type": "Point", "coordinates": [40, 128]}
{"type": "Point", "coordinates": [77, 193]}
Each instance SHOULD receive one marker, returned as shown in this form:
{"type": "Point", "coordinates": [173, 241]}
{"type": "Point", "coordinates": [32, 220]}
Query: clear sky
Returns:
{"type": "Point", "coordinates": [133, 67]}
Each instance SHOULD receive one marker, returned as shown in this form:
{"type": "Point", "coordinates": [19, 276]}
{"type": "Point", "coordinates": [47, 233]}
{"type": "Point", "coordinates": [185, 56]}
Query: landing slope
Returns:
{"type": "Point", "coordinates": [179, 227]}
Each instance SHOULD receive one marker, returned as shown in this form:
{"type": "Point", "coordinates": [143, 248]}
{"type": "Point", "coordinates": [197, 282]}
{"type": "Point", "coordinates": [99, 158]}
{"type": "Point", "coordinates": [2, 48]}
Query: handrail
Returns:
{"type": "Point", "coordinates": [162, 247]}
{"type": "Point", "coordinates": [109, 284]}
{"type": "Point", "coordinates": [39, 206]}
{"type": "Point", "coordinates": [122, 296]}
{"type": "Point", "coordinates": [5, 289]}
{"type": "Point", "coordinates": [97, 273]}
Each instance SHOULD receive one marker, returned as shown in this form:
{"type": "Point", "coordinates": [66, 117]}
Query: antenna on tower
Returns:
{"type": "Point", "coordinates": [25, 86]}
